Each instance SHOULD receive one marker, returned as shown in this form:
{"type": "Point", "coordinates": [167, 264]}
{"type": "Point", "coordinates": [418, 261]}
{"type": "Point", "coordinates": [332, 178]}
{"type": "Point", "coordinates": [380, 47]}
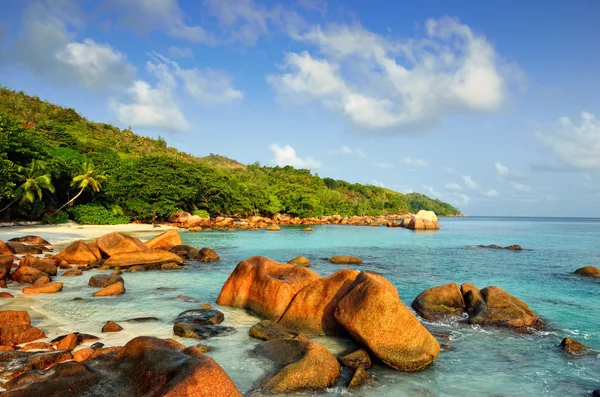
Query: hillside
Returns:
{"type": "Point", "coordinates": [147, 180]}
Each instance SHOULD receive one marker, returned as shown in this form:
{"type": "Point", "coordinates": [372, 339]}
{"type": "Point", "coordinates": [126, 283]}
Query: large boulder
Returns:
{"type": "Point", "coordinates": [24, 249]}
{"type": "Point", "coordinates": [500, 309]}
{"type": "Point", "coordinates": [117, 243]}
{"type": "Point", "coordinates": [6, 262]}
{"type": "Point", "coordinates": [14, 317]}
{"type": "Point", "coordinates": [165, 241]}
{"type": "Point", "coordinates": [440, 302]}
{"type": "Point", "coordinates": [77, 253]}
{"type": "Point", "coordinates": [264, 286]}
{"type": "Point", "coordinates": [13, 364]}
{"type": "Point", "coordinates": [32, 240]}
{"type": "Point", "coordinates": [300, 365]}
{"type": "Point", "coordinates": [312, 309]}
{"type": "Point", "coordinates": [208, 255]}
{"type": "Point", "coordinates": [423, 220]}
{"type": "Point", "coordinates": [375, 317]}
{"type": "Point", "coordinates": [93, 246]}
{"type": "Point", "coordinates": [147, 257]}
{"type": "Point", "coordinates": [145, 366]}
{"type": "Point", "coordinates": [27, 275]}
{"type": "Point", "coordinates": [588, 271]}
{"type": "Point", "coordinates": [16, 334]}
{"type": "Point", "coordinates": [47, 266]}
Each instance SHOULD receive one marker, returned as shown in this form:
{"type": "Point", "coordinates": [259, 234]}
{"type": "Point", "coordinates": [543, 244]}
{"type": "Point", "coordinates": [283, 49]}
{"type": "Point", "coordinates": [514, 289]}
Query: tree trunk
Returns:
{"type": "Point", "coordinates": [70, 201]}
{"type": "Point", "coordinates": [9, 204]}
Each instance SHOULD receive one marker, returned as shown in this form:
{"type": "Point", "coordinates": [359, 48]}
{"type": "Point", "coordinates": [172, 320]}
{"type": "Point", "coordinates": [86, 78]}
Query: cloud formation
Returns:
{"type": "Point", "coordinates": [377, 82]}
{"type": "Point", "coordinates": [286, 155]}
{"type": "Point", "coordinates": [414, 162]}
{"type": "Point", "coordinates": [576, 144]}
{"type": "Point", "coordinates": [346, 150]}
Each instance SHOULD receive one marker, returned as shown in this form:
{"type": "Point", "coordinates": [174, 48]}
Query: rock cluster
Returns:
{"type": "Point", "coordinates": [363, 305]}
{"type": "Point", "coordinates": [490, 306]}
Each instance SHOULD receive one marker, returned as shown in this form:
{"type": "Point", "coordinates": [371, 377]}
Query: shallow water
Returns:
{"type": "Point", "coordinates": [485, 362]}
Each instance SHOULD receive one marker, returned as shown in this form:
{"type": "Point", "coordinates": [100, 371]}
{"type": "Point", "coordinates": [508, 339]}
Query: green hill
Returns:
{"type": "Point", "coordinates": [147, 180]}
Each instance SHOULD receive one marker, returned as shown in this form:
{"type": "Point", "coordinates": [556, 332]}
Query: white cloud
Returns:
{"type": "Point", "coordinates": [47, 45]}
{"type": "Point", "coordinates": [431, 191]}
{"type": "Point", "coordinates": [521, 187]}
{"type": "Point", "coordinates": [181, 52]}
{"type": "Point", "coordinates": [152, 107]}
{"type": "Point", "coordinates": [576, 144]}
{"type": "Point", "coordinates": [469, 182]}
{"type": "Point", "coordinates": [143, 16]}
{"type": "Point", "coordinates": [501, 169]}
{"type": "Point", "coordinates": [286, 155]}
{"type": "Point", "coordinates": [415, 162]}
{"type": "Point", "coordinates": [377, 82]}
{"type": "Point", "coordinates": [375, 182]}
{"type": "Point", "coordinates": [453, 186]}
{"type": "Point", "coordinates": [348, 151]}
{"type": "Point", "coordinates": [382, 165]}
{"type": "Point", "coordinates": [454, 198]}
{"type": "Point", "coordinates": [492, 193]}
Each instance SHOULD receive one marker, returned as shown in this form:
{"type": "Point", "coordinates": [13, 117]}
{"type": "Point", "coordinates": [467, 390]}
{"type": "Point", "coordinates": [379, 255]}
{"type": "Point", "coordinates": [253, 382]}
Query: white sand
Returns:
{"type": "Point", "coordinates": [61, 235]}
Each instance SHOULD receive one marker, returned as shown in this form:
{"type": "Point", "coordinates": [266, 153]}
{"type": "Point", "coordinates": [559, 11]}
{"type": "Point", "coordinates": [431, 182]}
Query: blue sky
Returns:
{"type": "Point", "coordinates": [492, 106]}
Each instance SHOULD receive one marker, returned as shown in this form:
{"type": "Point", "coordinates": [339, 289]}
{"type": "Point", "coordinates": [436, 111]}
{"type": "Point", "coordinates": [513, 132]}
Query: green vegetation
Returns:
{"type": "Point", "coordinates": [115, 176]}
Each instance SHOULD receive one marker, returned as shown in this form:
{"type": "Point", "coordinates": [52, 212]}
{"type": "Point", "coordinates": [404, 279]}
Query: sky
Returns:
{"type": "Point", "coordinates": [491, 106]}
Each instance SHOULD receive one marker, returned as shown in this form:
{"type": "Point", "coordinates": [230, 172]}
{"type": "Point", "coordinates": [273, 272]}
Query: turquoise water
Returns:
{"type": "Point", "coordinates": [485, 362]}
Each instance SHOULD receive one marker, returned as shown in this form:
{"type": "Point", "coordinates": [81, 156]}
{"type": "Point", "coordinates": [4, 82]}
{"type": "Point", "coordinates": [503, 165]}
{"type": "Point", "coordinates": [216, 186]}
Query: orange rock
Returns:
{"type": "Point", "coordinates": [113, 289]}
{"type": "Point", "coordinates": [4, 250]}
{"type": "Point", "coordinates": [111, 326]}
{"type": "Point", "coordinates": [149, 257]}
{"type": "Point", "coordinates": [83, 354]}
{"type": "Point", "coordinates": [117, 243]}
{"type": "Point", "coordinates": [69, 342]}
{"type": "Point", "coordinates": [41, 281]}
{"type": "Point", "coordinates": [264, 286]}
{"type": "Point", "coordinates": [312, 309]}
{"type": "Point", "coordinates": [37, 346]}
{"type": "Point", "coordinates": [6, 262]}
{"type": "Point", "coordinates": [439, 302]}
{"type": "Point", "coordinates": [33, 240]}
{"type": "Point", "coordinates": [27, 275]}
{"type": "Point", "coordinates": [376, 318]}
{"type": "Point", "coordinates": [165, 241]}
{"type": "Point", "coordinates": [72, 273]}
{"type": "Point", "coordinates": [346, 260]}
{"type": "Point", "coordinates": [17, 334]}
{"type": "Point", "coordinates": [93, 246]}
{"type": "Point", "coordinates": [423, 220]}
{"type": "Point", "coordinates": [14, 317]}
{"type": "Point", "coordinates": [77, 253]}
{"type": "Point", "coordinates": [6, 295]}
{"type": "Point", "coordinates": [48, 288]}
{"type": "Point", "coordinates": [588, 271]}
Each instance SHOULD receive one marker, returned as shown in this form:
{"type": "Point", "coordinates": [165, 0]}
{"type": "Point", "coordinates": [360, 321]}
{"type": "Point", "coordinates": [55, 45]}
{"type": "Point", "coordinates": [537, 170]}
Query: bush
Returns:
{"type": "Point", "coordinates": [56, 219]}
{"type": "Point", "coordinates": [96, 214]}
{"type": "Point", "coordinates": [201, 213]}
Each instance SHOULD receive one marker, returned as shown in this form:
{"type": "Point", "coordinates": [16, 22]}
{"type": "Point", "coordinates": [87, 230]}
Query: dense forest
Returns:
{"type": "Point", "coordinates": [55, 165]}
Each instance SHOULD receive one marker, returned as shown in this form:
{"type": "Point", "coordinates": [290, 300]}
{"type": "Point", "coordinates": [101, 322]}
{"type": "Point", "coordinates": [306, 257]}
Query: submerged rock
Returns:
{"type": "Point", "coordinates": [312, 308]}
{"type": "Point", "coordinates": [440, 302]}
{"type": "Point", "coordinates": [268, 330]}
{"type": "Point", "coordinates": [588, 271]}
{"type": "Point", "coordinates": [375, 317]}
{"type": "Point", "coordinates": [143, 367]}
{"type": "Point", "coordinates": [572, 346]}
{"type": "Point", "coordinates": [345, 260]}
{"type": "Point", "coordinates": [299, 261]}
{"type": "Point", "coordinates": [200, 316]}
{"type": "Point", "coordinates": [300, 365]}
{"type": "Point", "coordinates": [197, 331]}
{"type": "Point", "coordinates": [264, 286]}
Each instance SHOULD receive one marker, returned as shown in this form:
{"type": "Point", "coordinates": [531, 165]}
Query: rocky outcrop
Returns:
{"type": "Point", "coordinates": [345, 260]}
{"type": "Point", "coordinates": [312, 309]}
{"type": "Point", "coordinates": [375, 317]}
{"type": "Point", "coordinates": [588, 271]}
{"type": "Point", "coordinates": [117, 243]}
{"type": "Point", "coordinates": [165, 241]}
{"type": "Point", "coordinates": [13, 364]}
{"type": "Point", "coordinates": [268, 330]}
{"type": "Point", "coordinates": [117, 288]}
{"type": "Point", "coordinates": [77, 253]}
{"type": "Point", "coordinates": [140, 257]}
{"type": "Point", "coordinates": [143, 367]}
{"type": "Point", "coordinates": [423, 220]}
{"type": "Point", "coordinates": [300, 365]}
{"type": "Point", "coordinates": [264, 286]}
{"type": "Point", "coordinates": [104, 280]}
{"type": "Point", "coordinates": [440, 302]}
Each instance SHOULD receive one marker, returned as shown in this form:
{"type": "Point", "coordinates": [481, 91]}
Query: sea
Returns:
{"type": "Point", "coordinates": [484, 361]}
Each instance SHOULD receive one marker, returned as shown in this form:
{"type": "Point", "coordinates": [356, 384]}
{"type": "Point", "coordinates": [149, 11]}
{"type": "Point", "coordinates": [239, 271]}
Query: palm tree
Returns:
{"type": "Point", "coordinates": [34, 180]}
{"type": "Point", "coordinates": [90, 177]}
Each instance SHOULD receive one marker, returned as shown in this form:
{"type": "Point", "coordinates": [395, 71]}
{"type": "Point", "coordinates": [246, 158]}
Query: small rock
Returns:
{"type": "Point", "coordinates": [104, 280]}
{"type": "Point", "coordinates": [198, 316]}
{"type": "Point", "coordinates": [142, 320]}
{"type": "Point", "coordinates": [201, 331]}
{"type": "Point", "coordinates": [72, 273]}
{"type": "Point", "coordinates": [78, 298]}
{"type": "Point", "coordinates": [111, 290]}
{"type": "Point", "coordinates": [357, 359]}
{"type": "Point", "coordinates": [97, 345]}
{"type": "Point", "coordinates": [111, 326]}
{"type": "Point", "coordinates": [205, 306]}
{"type": "Point", "coordinates": [188, 299]}
{"type": "Point", "coordinates": [48, 288]}
{"type": "Point", "coordinates": [204, 348]}
{"type": "Point", "coordinates": [446, 347]}
{"type": "Point", "coordinates": [300, 261]}
{"type": "Point", "coordinates": [572, 346]}
{"type": "Point", "coordinates": [345, 260]}
{"type": "Point", "coordinates": [273, 228]}
{"type": "Point", "coordinates": [67, 343]}
{"type": "Point", "coordinates": [307, 229]}
{"type": "Point", "coordinates": [136, 268]}
{"type": "Point", "coordinates": [268, 330]}
{"type": "Point", "coordinates": [6, 295]}
{"type": "Point", "coordinates": [171, 266]}
{"type": "Point", "coordinates": [360, 378]}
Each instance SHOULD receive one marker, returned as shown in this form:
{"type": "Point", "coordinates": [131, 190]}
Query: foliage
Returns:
{"type": "Point", "coordinates": [120, 175]}
{"type": "Point", "coordinates": [56, 219]}
{"type": "Point", "coordinates": [95, 214]}
{"type": "Point", "coordinates": [201, 213]}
